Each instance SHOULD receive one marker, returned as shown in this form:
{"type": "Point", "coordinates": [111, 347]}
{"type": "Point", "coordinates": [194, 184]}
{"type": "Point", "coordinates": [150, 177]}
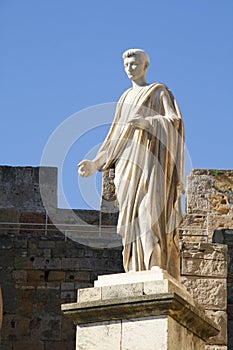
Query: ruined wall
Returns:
{"type": "Point", "coordinates": [225, 236]}
{"type": "Point", "coordinates": [204, 274]}
{"type": "Point", "coordinates": [209, 218]}
{"type": "Point", "coordinates": [20, 187]}
{"type": "Point", "coordinates": [209, 203]}
{"type": "Point", "coordinates": [38, 274]}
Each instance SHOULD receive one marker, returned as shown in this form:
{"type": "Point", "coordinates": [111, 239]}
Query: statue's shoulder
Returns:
{"type": "Point", "coordinates": [153, 89]}
{"type": "Point", "coordinates": [157, 86]}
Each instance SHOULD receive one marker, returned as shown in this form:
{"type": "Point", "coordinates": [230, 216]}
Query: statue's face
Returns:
{"type": "Point", "coordinates": [135, 67]}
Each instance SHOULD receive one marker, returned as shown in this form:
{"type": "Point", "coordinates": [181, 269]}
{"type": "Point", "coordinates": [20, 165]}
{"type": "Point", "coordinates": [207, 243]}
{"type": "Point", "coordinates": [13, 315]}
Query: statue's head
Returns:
{"type": "Point", "coordinates": [136, 62]}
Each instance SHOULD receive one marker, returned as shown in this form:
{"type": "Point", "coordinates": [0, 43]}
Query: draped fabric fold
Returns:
{"type": "Point", "coordinates": [148, 178]}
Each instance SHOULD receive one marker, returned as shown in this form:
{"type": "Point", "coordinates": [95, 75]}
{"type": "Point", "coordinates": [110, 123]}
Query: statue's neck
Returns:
{"type": "Point", "coordinates": [139, 83]}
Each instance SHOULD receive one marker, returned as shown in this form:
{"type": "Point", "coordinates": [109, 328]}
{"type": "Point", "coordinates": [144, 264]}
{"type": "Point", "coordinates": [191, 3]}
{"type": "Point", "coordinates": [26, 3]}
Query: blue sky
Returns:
{"type": "Point", "coordinates": [59, 57]}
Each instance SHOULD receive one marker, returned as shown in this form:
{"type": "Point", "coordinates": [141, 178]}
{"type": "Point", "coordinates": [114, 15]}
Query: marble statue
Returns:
{"type": "Point", "coordinates": [145, 144]}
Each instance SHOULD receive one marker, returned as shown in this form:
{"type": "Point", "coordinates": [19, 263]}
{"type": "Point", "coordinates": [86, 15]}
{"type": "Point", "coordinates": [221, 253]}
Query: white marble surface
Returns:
{"type": "Point", "coordinates": [146, 146]}
{"type": "Point", "coordinates": [132, 277]}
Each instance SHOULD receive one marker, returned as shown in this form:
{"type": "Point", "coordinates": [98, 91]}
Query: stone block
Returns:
{"type": "Point", "coordinates": [67, 286]}
{"type": "Point", "coordinates": [67, 249]}
{"type": "Point", "coordinates": [46, 244]}
{"type": "Point", "coordinates": [122, 291]}
{"type": "Point", "coordinates": [6, 241]}
{"type": "Point", "coordinates": [209, 292]}
{"type": "Point", "coordinates": [6, 260]}
{"type": "Point", "coordinates": [21, 263]}
{"type": "Point", "coordinates": [165, 286]}
{"type": "Point", "coordinates": [204, 259]}
{"type": "Point", "coordinates": [20, 241]}
{"type": "Point", "coordinates": [11, 298]}
{"type": "Point", "coordinates": [47, 263]}
{"type": "Point", "coordinates": [220, 318]}
{"type": "Point", "coordinates": [88, 263]}
{"type": "Point", "coordinates": [56, 276]}
{"type": "Point", "coordinates": [199, 186]}
{"type": "Point", "coordinates": [51, 328]}
{"type": "Point", "coordinates": [19, 276]}
{"type": "Point", "coordinates": [80, 276]}
{"type": "Point", "coordinates": [156, 274]}
{"type": "Point", "coordinates": [36, 276]}
{"type": "Point", "coordinates": [102, 335]}
{"type": "Point", "coordinates": [70, 264]}
{"type": "Point", "coordinates": [15, 327]}
{"type": "Point", "coordinates": [219, 203]}
{"type": "Point", "coordinates": [154, 331]}
{"type": "Point", "coordinates": [39, 253]}
{"type": "Point", "coordinates": [205, 251]}
{"type": "Point", "coordinates": [205, 268]}
{"type": "Point", "coordinates": [89, 294]}
{"type": "Point", "coordinates": [138, 332]}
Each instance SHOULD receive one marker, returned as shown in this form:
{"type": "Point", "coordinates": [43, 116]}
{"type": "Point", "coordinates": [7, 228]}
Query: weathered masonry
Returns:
{"type": "Point", "coordinates": [42, 268]}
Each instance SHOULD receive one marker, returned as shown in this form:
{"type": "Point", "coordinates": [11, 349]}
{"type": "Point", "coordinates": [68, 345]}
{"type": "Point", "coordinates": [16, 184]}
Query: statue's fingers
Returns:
{"type": "Point", "coordinates": [80, 163]}
{"type": "Point", "coordinates": [83, 162]}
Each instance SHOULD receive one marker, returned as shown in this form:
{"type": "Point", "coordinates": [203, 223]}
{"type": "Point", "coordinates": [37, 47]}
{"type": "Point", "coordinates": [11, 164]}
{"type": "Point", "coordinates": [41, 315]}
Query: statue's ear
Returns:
{"type": "Point", "coordinates": [146, 65]}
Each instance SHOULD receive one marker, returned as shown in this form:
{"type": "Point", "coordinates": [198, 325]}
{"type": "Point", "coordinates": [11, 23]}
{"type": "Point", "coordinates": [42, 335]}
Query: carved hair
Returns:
{"type": "Point", "coordinates": [137, 52]}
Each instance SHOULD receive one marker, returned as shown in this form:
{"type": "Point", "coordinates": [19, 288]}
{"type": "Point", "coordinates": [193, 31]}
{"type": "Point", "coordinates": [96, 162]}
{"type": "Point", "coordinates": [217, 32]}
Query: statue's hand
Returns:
{"type": "Point", "coordinates": [139, 122]}
{"type": "Point", "coordinates": [86, 168]}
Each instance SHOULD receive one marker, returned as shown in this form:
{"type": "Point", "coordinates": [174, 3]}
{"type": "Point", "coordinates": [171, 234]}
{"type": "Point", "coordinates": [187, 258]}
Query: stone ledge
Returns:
{"type": "Point", "coordinates": [165, 304]}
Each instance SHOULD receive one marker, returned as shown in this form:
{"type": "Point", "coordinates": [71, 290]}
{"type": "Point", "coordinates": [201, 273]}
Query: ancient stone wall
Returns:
{"type": "Point", "coordinates": [225, 236]}
{"type": "Point", "coordinates": [209, 203]}
{"type": "Point", "coordinates": [38, 273]}
{"type": "Point", "coordinates": [20, 187]}
{"type": "Point", "coordinates": [204, 274]}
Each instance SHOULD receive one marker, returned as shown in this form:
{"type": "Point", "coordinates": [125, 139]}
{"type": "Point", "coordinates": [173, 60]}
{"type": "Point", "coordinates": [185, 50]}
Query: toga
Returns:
{"type": "Point", "coordinates": [148, 177]}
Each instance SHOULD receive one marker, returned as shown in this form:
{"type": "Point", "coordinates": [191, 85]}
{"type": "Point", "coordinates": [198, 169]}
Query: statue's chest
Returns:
{"type": "Point", "coordinates": [131, 104]}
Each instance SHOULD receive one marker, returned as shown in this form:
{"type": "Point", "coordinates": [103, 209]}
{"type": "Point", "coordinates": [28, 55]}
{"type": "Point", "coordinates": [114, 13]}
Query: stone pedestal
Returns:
{"type": "Point", "coordinates": [136, 311]}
